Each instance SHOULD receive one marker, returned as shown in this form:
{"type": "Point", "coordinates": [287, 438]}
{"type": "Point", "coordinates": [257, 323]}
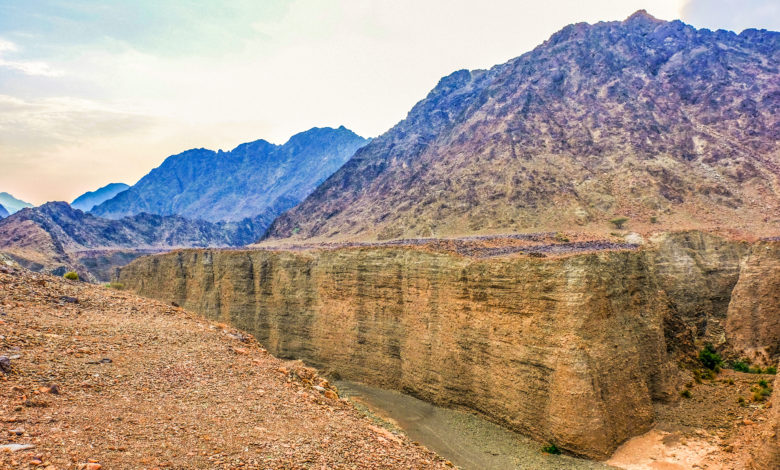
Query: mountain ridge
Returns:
{"type": "Point", "coordinates": [55, 237]}
{"type": "Point", "coordinates": [670, 126]}
{"type": "Point", "coordinates": [90, 199]}
{"type": "Point", "coordinates": [12, 204]}
{"type": "Point", "coordinates": [253, 178]}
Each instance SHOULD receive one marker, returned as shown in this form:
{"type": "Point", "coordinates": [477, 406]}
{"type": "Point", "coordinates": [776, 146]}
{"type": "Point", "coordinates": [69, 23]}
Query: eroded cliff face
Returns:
{"type": "Point", "coordinates": [753, 323]}
{"type": "Point", "coordinates": [569, 350]}
{"type": "Point", "coordinates": [572, 350]}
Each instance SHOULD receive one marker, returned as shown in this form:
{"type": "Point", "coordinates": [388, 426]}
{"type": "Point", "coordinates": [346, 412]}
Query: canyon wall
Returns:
{"type": "Point", "coordinates": [572, 350]}
{"type": "Point", "coordinates": [753, 324]}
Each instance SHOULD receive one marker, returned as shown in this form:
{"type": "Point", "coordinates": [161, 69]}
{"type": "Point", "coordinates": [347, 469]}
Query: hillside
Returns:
{"type": "Point", "coordinates": [670, 126]}
{"type": "Point", "coordinates": [90, 199]}
{"type": "Point", "coordinates": [254, 178]}
{"type": "Point", "coordinates": [103, 378]}
{"type": "Point", "coordinates": [55, 237]}
{"type": "Point", "coordinates": [11, 204]}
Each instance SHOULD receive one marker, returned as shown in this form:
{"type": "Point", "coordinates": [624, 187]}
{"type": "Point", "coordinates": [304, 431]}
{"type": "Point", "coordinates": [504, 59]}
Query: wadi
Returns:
{"type": "Point", "coordinates": [567, 260]}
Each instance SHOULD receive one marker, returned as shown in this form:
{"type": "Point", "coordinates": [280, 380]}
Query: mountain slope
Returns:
{"type": "Point", "coordinates": [3, 212]}
{"type": "Point", "coordinates": [670, 126]}
{"type": "Point", "coordinates": [254, 178]}
{"type": "Point", "coordinates": [90, 199]}
{"type": "Point", "coordinates": [12, 204]}
{"type": "Point", "coordinates": [55, 237]}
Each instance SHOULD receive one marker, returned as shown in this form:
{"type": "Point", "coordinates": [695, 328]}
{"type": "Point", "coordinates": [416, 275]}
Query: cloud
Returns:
{"type": "Point", "coordinates": [734, 15]}
{"type": "Point", "coordinates": [26, 67]}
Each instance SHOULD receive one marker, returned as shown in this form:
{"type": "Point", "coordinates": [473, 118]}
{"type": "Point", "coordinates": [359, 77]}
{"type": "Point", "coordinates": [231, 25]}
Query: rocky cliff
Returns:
{"type": "Point", "coordinates": [753, 324]}
{"type": "Point", "coordinates": [671, 126]}
{"type": "Point", "coordinates": [254, 178]}
{"type": "Point", "coordinates": [571, 349]}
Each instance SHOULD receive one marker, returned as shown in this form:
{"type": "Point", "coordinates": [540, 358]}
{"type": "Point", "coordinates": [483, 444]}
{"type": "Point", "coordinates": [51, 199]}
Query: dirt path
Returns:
{"type": "Point", "coordinates": [468, 441]}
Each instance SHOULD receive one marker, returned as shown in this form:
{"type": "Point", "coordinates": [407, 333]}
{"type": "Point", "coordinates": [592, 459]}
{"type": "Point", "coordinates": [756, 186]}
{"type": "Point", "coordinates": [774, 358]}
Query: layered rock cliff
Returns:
{"type": "Point", "coordinates": [572, 350]}
{"type": "Point", "coordinates": [753, 324]}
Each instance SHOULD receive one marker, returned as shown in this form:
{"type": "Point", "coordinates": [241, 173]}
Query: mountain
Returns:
{"type": "Point", "coordinates": [90, 199]}
{"type": "Point", "coordinates": [12, 204]}
{"type": "Point", "coordinates": [254, 178]}
{"type": "Point", "coordinates": [3, 212]}
{"type": "Point", "coordinates": [665, 124]}
{"type": "Point", "coordinates": [56, 238]}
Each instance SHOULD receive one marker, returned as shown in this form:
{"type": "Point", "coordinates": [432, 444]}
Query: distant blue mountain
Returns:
{"type": "Point", "coordinates": [253, 179]}
{"type": "Point", "coordinates": [88, 200]}
{"type": "Point", "coordinates": [11, 204]}
{"type": "Point", "coordinates": [3, 212]}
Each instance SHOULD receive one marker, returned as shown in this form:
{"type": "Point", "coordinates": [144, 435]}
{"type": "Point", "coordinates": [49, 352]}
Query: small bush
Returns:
{"type": "Point", "coordinates": [653, 220]}
{"type": "Point", "coordinates": [740, 366]}
{"type": "Point", "coordinates": [709, 358]}
{"type": "Point", "coordinates": [755, 370]}
{"type": "Point", "coordinates": [686, 393]}
{"type": "Point", "coordinates": [618, 222]}
{"type": "Point", "coordinates": [741, 401]}
{"type": "Point", "coordinates": [708, 374]}
{"type": "Point", "coordinates": [71, 275]}
{"type": "Point", "coordinates": [763, 383]}
{"type": "Point", "coordinates": [551, 449]}
{"type": "Point", "coordinates": [771, 370]}
{"type": "Point", "coordinates": [561, 237]}
{"type": "Point", "coordinates": [116, 285]}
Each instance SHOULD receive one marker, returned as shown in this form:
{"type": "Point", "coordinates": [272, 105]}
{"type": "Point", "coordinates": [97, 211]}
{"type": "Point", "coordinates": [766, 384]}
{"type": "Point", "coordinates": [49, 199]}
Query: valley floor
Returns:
{"type": "Point", "coordinates": [105, 378]}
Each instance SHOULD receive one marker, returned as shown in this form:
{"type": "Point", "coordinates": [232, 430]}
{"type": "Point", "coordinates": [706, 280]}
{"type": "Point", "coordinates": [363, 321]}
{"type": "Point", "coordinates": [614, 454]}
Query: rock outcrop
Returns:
{"type": "Point", "coordinates": [753, 323]}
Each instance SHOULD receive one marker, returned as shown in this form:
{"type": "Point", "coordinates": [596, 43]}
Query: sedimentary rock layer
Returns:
{"type": "Point", "coordinates": [572, 350]}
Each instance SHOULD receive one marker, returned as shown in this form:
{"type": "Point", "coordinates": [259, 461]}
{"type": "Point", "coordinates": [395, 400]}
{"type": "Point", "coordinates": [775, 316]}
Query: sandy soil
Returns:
{"type": "Point", "coordinates": [468, 441]}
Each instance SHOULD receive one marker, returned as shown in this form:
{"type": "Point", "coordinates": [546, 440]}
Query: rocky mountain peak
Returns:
{"type": "Point", "coordinates": [644, 118]}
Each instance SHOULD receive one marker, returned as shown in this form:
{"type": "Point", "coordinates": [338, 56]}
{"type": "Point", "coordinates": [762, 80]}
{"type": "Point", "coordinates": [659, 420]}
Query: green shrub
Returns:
{"type": "Point", "coordinates": [709, 358]}
{"type": "Point", "coordinates": [116, 285]}
{"type": "Point", "coordinates": [771, 370]}
{"type": "Point", "coordinates": [755, 370]}
{"type": "Point", "coordinates": [618, 222]}
{"type": "Point", "coordinates": [686, 393]}
{"type": "Point", "coordinates": [653, 220]}
{"type": "Point", "coordinates": [561, 237]}
{"type": "Point", "coordinates": [740, 366]}
{"type": "Point", "coordinates": [741, 401]}
{"type": "Point", "coordinates": [72, 275]}
{"type": "Point", "coordinates": [551, 449]}
{"type": "Point", "coordinates": [763, 383]}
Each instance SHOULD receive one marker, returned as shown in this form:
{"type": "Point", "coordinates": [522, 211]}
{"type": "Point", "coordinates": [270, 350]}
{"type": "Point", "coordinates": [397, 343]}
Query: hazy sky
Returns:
{"type": "Point", "coordinates": [99, 91]}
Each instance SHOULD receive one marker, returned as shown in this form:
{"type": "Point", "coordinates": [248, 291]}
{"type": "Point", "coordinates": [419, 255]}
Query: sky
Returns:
{"type": "Point", "coordinates": [101, 91]}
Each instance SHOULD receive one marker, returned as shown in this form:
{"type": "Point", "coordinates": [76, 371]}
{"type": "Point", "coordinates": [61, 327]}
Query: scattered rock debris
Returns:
{"type": "Point", "coordinates": [172, 391]}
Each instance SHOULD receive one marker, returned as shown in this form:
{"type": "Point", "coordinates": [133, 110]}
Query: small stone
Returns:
{"type": "Point", "coordinates": [331, 394]}
{"type": "Point", "coordinates": [93, 466]}
{"type": "Point", "coordinates": [69, 300]}
{"type": "Point", "coordinates": [319, 389]}
{"type": "Point", "coordinates": [15, 447]}
{"type": "Point", "coordinates": [53, 389]}
{"type": "Point", "coordinates": [5, 365]}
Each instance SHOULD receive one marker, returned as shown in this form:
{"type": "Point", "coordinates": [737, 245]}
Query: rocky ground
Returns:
{"type": "Point", "coordinates": [720, 425]}
{"type": "Point", "coordinates": [95, 377]}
